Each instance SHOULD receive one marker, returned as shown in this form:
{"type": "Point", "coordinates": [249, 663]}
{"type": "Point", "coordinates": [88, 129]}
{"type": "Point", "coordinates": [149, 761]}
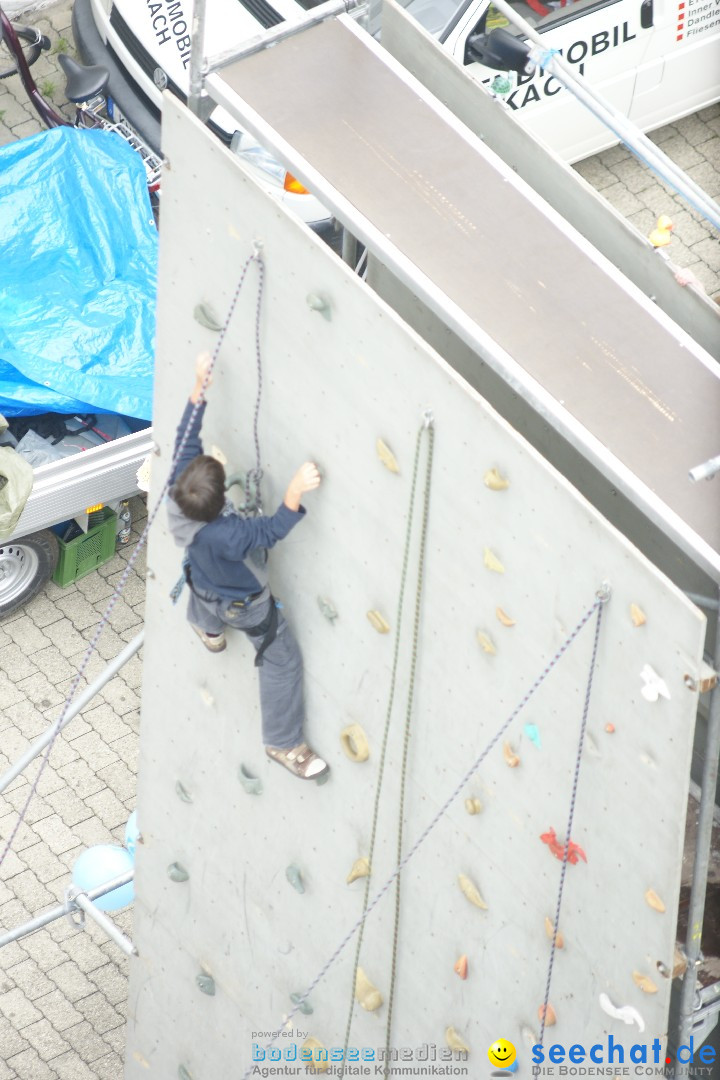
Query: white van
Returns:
{"type": "Point", "coordinates": [655, 60]}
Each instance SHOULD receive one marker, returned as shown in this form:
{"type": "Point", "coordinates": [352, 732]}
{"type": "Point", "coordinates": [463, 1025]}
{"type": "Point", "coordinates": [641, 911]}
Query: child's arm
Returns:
{"type": "Point", "coordinates": [193, 444]}
{"type": "Point", "coordinates": [307, 478]}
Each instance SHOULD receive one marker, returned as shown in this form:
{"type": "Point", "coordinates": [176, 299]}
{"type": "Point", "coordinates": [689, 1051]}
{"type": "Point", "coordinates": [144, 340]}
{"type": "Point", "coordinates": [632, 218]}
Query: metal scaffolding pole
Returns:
{"type": "Point", "coordinates": [698, 886]}
{"type": "Point", "coordinates": [82, 900]}
{"type": "Point", "coordinates": [77, 706]}
{"type": "Point", "coordinates": [63, 909]}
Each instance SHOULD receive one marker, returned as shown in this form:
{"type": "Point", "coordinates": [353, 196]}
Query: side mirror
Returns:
{"type": "Point", "coordinates": [498, 49]}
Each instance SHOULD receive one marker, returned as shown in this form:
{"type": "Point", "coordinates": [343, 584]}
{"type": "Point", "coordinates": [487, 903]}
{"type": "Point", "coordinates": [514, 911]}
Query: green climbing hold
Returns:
{"type": "Point", "coordinates": [176, 872]}
{"type": "Point", "coordinates": [204, 314]}
{"type": "Point", "coordinates": [206, 983]}
{"type": "Point", "coordinates": [304, 1006]}
{"type": "Point", "coordinates": [251, 784]}
{"type": "Point", "coordinates": [182, 792]}
{"type": "Point", "coordinates": [295, 878]}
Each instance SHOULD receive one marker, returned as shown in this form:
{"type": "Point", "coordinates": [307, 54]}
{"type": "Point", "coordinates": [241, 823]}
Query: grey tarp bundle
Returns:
{"type": "Point", "coordinates": [16, 481]}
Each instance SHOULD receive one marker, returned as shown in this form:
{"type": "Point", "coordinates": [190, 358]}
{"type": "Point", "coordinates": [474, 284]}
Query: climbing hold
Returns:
{"type": "Point", "coordinates": [574, 851]}
{"type": "Point", "coordinates": [378, 622]}
{"type": "Point", "coordinates": [354, 742]}
{"type": "Point", "coordinates": [360, 868]}
{"type": "Point", "coordinates": [610, 728]}
{"type": "Point", "coordinates": [204, 314]}
{"type": "Point", "coordinates": [626, 1013]}
{"type": "Point", "coordinates": [303, 1005]}
{"type": "Point", "coordinates": [206, 983]}
{"type": "Point", "coordinates": [327, 608]}
{"type": "Point", "coordinates": [654, 900]}
{"type": "Point", "coordinates": [294, 876]}
{"type": "Point", "coordinates": [183, 1074]}
{"type": "Point", "coordinates": [654, 687]}
{"type": "Point", "coordinates": [486, 643]}
{"type": "Point", "coordinates": [471, 892]}
{"type": "Point", "coordinates": [368, 996]}
{"type": "Point", "coordinates": [251, 784]}
{"type": "Point", "coordinates": [461, 967]}
{"type": "Point", "coordinates": [510, 756]}
{"type": "Point", "coordinates": [495, 480]}
{"type": "Point", "coordinates": [207, 698]}
{"type": "Point", "coordinates": [637, 615]}
{"type": "Point", "coordinates": [492, 562]}
{"type": "Point", "coordinates": [663, 969]}
{"type": "Point", "coordinates": [644, 982]}
{"type": "Point", "coordinates": [216, 452]}
{"type": "Point", "coordinates": [182, 792]}
{"type": "Point", "coordinates": [177, 872]}
{"type": "Point", "coordinates": [559, 939]}
{"type": "Point", "coordinates": [318, 303]}
{"type": "Point", "coordinates": [314, 1054]}
{"type": "Point", "coordinates": [503, 617]}
{"type": "Point", "coordinates": [679, 963]}
{"type": "Point", "coordinates": [549, 1014]}
{"type": "Point", "coordinates": [386, 456]}
{"type": "Point", "coordinates": [455, 1042]}
{"type": "Point", "coordinates": [533, 733]}
{"type": "Point", "coordinates": [473, 806]}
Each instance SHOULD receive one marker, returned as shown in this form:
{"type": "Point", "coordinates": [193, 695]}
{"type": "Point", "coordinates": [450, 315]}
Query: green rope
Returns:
{"type": "Point", "coordinates": [391, 700]}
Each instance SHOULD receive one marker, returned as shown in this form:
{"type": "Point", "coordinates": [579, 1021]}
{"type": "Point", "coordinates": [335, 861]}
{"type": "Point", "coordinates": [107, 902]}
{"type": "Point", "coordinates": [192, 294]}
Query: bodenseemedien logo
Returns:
{"type": "Point", "coordinates": [646, 1059]}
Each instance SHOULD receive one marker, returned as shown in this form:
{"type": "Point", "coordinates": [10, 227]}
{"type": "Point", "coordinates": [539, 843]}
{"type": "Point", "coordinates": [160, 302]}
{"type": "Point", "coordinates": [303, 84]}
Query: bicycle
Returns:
{"type": "Point", "coordinates": [86, 88]}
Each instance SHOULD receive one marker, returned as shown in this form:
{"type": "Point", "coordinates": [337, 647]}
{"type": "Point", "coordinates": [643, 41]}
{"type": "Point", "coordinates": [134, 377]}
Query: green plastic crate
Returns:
{"type": "Point", "coordinates": [85, 553]}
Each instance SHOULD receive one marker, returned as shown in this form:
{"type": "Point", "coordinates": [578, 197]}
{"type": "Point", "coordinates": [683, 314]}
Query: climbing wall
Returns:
{"type": "Point", "coordinates": [242, 890]}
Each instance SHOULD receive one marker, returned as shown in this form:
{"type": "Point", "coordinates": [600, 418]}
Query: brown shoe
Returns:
{"type": "Point", "coordinates": [300, 760]}
{"type": "Point", "coordinates": [213, 642]}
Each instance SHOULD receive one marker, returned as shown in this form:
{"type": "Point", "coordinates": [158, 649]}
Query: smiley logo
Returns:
{"type": "Point", "coordinates": [501, 1054]}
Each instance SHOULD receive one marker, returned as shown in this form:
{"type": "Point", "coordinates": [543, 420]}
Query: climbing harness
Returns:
{"type": "Point", "coordinates": [426, 426]}
{"type": "Point", "coordinates": [600, 599]}
{"type": "Point", "coordinates": [255, 257]}
{"type": "Point", "coordinates": [267, 630]}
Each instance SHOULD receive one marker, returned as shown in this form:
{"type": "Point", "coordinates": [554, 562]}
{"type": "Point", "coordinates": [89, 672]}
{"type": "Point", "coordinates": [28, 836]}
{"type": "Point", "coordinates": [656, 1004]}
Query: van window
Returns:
{"type": "Point", "coordinates": [541, 14]}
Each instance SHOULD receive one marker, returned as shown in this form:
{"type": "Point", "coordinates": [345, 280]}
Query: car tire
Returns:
{"type": "Point", "coordinates": [25, 566]}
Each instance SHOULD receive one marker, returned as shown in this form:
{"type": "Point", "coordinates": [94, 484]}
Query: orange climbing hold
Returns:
{"type": "Point", "coordinates": [461, 967]}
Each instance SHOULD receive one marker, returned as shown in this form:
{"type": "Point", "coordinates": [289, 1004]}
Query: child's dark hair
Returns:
{"type": "Point", "coordinates": [199, 491]}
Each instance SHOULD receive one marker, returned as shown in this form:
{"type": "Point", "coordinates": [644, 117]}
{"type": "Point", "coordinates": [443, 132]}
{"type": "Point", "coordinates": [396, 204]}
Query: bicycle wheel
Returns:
{"type": "Point", "coordinates": [32, 42]}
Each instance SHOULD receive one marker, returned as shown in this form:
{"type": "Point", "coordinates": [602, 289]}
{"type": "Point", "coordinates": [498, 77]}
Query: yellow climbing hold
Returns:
{"type": "Point", "coordinates": [360, 868]}
{"type": "Point", "coordinates": [378, 622]}
{"type": "Point", "coordinates": [354, 742]}
{"type": "Point", "coordinates": [654, 900]}
{"type": "Point", "coordinates": [386, 456]}
{"type": "Point", "coordinates": [646, 984]}
{"type": "Point", "coordinates": [637, 615]}
{"type": "Point", "coordinates": [314, 1054]}
{"type": "Point", "coordinates": [504, 618]}
{"type": "Point", "coordinates": [492, 562]}
{"type": "Point", "coordinates": [559, 939]}
{"type": "Point", "coordinates": [471, 892]}
{"type": "Point", "coordinates": [366, 994]}
{"type": "Point", "coordinates": [495, 480]}
{"type": "Point", "coordinates": [549, 1014]}
{"type": "Point", "coordinates": [510, 756]}
{"type": "Point", "coordinates": [455, 1042]}
{"type": "Point", "coordinates": [486, 643]}
{"type": "Point", "coordinates": [473, 806]}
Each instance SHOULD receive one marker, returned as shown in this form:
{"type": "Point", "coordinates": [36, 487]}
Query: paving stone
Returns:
{"type": "Point", "coordinates": [44, 864]}
{"type": "Point", "coordinates": [86, 953]}
{"type": "Point", "coordinates": [694, 130]}
{"type": "Point", "coordinates": [66, 637]}
{"type": "Point", "coordinates": [99, 1013]}
{"type": "Point", "coordinates": [111, 983]}
{"type": "Point", "coordinates": [134, 589]}
{"type": "Point", "coordinates": [132, 671]}
{"type": "Point", "coordinates": [40, 691]}
{"type": "Point", "coordinates": [127, 749]}
{"type": "Point", "coordinates": [80, 777]}
{"type": "Point", "coordinates": [29, 978]}
{"type": "Point", "coordinates": [86, 1042]}
{"type": "Point", "coordinates": [72, 982]}
{"type": "Point", "coordinates": [108, 645]}
{"type": "Point", "coordinates": [71, 1067]}
{"type": "Point", "coordinates": [104, 720]}
{"type": "Point", "coordinates": [29, 1066]}
{"type": "Point", "coordinates": [31, 892]}
{"type": "Point", "coordinates": [43, 1037]}
{"type": "Point", "coordinates": [27, 635]}
{"type": "Point", "coordinates": [42, 612]}
{"type": "Point", "coordinates": [16, 1008]}
{"type": "Point", "coordinates": [9, 695]}
{"type": "Point", "coordinates": [95, 752]}
{"type": "Point", "coordinates": [15, 662]}
{"type": "Point", "coordinates": [41, 947]}
{"type": "Point", "coordinates": [11, 1041]}
{"type": "Point", "coordinates": [107, 808]}
{"type": "Point", "coordinates": [25, 837]}
{"type": "Point", "coordinates": [119, 695]}
{"type": "Point", "coordinates": [69, 806]}
{"type": "Point", "coordinates": [109, 1067]}
{"type": "Point", "coordinates": [708, 251]}
{"type": "Point", "coordinates": [58, 1011]}
{"type": "Point", "coordinates": [56, 834]}
{"type": "Point", "coordinates": [120, 780]}
{"type": "Point", "coordinates": [52, 662]}
{"type": "Point", "coordinates": [26, 718]}
{"type": "Point", "coordinates": [95, 588]}
{"type": "Point", "coordinates": [78, 610]}
{"type": "Point", "coordinates": [17, 796]}
{"type": "Point", "coordinates": [123, 617]}
{"type": "Point", "coordinates": [94, 831]}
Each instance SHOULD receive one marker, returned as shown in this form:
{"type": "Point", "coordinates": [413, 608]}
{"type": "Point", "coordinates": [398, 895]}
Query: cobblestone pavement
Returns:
{"type": "Point", "coordinates": [62, 991]}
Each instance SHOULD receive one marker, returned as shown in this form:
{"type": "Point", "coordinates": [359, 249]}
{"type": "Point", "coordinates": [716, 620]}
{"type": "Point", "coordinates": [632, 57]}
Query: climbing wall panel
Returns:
{"type": "Point", "coordinates": [244, 892]}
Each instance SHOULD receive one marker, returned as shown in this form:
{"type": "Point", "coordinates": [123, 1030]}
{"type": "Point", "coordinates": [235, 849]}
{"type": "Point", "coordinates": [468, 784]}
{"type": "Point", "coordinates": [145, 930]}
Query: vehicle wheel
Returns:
{"type": "Point", "coordinates": [25, 566]}
{"type": "Point", "coordinates": [32, 44]}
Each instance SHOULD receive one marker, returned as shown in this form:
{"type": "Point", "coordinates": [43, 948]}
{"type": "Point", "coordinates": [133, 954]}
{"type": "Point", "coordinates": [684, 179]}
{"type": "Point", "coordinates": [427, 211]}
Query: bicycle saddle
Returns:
{"type": "Point", "coordinates": [83, 82]}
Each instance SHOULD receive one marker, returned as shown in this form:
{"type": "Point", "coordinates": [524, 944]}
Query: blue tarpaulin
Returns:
{"type": "Point", "coordinates": [78, 261]}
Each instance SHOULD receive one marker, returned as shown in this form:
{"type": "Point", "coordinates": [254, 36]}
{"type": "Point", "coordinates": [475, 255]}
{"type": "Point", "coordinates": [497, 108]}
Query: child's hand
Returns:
{"type": "Point", "coordinates": [307, 478]}
{"type": "Point", "coordinates": [202, 366]}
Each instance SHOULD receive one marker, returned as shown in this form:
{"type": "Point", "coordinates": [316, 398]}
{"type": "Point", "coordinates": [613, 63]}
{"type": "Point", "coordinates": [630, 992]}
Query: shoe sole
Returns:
{"type": "Point", "coordinates": [210, 648]}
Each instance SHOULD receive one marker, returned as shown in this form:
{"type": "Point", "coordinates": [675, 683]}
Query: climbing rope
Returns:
{"type": "Point", "coordinates": [427, 425]}
{"type": "Point", "coordinates": [601, 598]}
{"type": "Point", "coordinates": [571, 818]}
{"type": "Point", "coordinates": [256, 257]}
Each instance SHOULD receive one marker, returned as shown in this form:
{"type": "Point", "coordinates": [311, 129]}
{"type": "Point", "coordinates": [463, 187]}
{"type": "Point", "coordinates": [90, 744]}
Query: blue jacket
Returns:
{"type": "Point", "coordinates": [219, 550]}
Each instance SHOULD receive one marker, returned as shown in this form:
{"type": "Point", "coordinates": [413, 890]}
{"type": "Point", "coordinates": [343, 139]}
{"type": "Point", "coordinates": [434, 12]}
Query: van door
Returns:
{"type": "Point", "coordinates": [681, 71]}
{"type": "Point", "coordinates": [605, 41]}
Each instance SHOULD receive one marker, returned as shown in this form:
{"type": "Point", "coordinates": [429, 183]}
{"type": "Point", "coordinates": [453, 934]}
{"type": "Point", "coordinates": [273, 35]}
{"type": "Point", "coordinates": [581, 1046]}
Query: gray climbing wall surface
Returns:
{"type": "Point", "coordinates": [511, 568]}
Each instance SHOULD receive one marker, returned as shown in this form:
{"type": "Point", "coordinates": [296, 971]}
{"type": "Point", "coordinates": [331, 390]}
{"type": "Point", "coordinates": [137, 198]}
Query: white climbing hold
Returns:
{"type": "Point", "coordinates": [368, 995]}
{"type": "Point", "coordinates": [471, 892]}
{"type": "Point", "coordinates": [654, 687]}
{"type": "Point", "coordinates": [626, 1013]}
{"type": "Point", "coordinates": [386, 456]}
{"type": "Point", "coordinates": [360, 868]}
{"type": "Point", "coordinates": [455, 1041]}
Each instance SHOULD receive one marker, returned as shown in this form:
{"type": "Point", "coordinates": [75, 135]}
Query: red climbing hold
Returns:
{"type": "Point", "coordinates": [574, 851]}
